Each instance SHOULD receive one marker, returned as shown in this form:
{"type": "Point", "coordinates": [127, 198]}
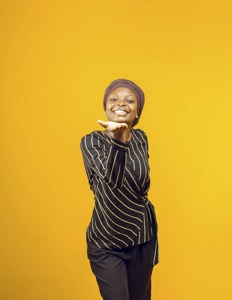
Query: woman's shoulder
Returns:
{"type": "Point", "coordinates": [96, 134]}
{"type": "Point", "coordinates": [139, 132]}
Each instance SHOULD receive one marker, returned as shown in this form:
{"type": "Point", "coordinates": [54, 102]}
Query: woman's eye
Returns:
{"type": "Point", "coordinates": [130, 101]}
{"type": "Point", "coordinates": [113, 99]}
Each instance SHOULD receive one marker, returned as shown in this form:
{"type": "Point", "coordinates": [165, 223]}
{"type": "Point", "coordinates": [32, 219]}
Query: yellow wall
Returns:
{"type": "Point", "coordinates": [57, 57]}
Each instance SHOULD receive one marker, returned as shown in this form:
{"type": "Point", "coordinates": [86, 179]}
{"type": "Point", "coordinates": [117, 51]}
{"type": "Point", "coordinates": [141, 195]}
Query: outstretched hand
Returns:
{"type": "Point", "coordinates": [116, 128]}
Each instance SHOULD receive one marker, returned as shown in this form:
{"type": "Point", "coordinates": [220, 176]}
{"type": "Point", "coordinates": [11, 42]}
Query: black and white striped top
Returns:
{"type": "Point", "coordinates": [118, 175]}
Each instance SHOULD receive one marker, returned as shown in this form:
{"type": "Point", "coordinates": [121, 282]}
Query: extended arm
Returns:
{"type": "Point", "coordinates": [107, 164]}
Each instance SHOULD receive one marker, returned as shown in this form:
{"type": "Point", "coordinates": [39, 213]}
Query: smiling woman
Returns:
{"type": "Point", "coordinates": [121, 106]}
{"type": "Point", "coordinates": [122, 235]}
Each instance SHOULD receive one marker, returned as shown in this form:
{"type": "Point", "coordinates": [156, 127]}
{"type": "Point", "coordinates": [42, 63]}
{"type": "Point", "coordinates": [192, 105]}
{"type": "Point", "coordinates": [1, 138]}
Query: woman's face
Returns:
{"type": "Point", "coordinates": [122, 106]}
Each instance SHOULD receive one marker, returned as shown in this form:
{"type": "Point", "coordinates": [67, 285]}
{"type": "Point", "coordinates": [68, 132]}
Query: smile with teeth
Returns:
{"type": "Point", "coordinates": [120, 112]}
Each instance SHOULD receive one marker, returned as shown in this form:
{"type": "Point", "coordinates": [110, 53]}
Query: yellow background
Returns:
{"type": "Point", "coordinates": [57, 57]}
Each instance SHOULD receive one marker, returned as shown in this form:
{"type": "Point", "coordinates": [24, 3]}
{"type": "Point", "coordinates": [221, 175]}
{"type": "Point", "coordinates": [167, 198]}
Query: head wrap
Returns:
{"type": "Point", "coordinates": [131, 86]}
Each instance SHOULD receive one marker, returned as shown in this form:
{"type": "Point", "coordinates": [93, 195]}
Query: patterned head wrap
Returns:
{"type": "Point", "coordinates": [133, 87]}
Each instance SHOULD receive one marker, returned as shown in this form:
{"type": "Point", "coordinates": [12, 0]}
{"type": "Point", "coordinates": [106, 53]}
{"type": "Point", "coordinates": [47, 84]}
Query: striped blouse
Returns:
{"type": "Point", "coordinates": [118, 175]}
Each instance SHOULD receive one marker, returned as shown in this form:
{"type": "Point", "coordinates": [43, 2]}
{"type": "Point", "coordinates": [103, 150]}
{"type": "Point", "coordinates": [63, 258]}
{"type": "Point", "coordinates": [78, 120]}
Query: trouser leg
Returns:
{"type": "Point", "coordinates": [111, 273]}
{"type": "Point", "coordinates": [139, 271]}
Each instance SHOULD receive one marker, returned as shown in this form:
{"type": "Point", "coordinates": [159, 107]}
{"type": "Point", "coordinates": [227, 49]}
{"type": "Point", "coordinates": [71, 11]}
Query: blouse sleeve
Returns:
{"type": "Point", "coordinates": [108, 164]}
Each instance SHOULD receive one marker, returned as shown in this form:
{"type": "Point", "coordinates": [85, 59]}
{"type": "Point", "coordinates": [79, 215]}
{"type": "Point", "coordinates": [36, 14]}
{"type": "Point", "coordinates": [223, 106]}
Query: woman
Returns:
{"type": "Point", "coordinates": [122, 234]}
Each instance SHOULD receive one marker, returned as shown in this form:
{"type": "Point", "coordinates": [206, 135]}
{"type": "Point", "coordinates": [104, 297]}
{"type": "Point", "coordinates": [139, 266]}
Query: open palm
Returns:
{"type": "Point", "coordinates": [113, 126]}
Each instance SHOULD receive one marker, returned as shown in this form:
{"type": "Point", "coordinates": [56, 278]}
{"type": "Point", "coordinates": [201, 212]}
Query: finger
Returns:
{"type": "Point", "coordinates": [102, 123]}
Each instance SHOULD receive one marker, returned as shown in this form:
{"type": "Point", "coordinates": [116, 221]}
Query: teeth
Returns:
{"type": "Point", "coordinates": [120, 112]}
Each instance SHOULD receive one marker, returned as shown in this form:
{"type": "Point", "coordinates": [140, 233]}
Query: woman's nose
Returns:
{"type": "Point", "coordinates": [121, 102]}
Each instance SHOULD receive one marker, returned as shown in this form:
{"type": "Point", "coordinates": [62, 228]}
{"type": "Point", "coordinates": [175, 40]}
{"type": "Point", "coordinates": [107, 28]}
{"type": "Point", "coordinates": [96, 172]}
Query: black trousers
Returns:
{"type": "Point", "coordinates": [124, 274]}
